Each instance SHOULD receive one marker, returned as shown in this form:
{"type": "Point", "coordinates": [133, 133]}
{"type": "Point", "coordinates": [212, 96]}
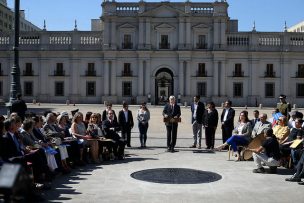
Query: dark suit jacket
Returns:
{"type": "Point", "coordinates": [9, 148]}
{"type": "Point", "coordinates": [200, 113]}
{"type": "Point", "coordinates": [110, 134]}
{"type": "Point", "coordinates": [212, 118]}
{"type": "Point", "coordinates": [176, 112]}
{"type": "Point", "coordinates": [104, 115]}
{"type": "Point", "coordinates": [125, 125]}
{"type": "Point", "coordinates": [230, 118]}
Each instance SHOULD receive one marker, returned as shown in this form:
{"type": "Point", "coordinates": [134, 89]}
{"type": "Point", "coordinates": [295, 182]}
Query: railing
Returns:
{"type": "Point", "coordinates": [90, 73]}
{"type": "Point", "coordinates": [164, 45]}
{"type": "Point", "coordinates": [300, 74]}
{"type": "Point", "coordinates": [126, 73]}
{"type": "Point", "coordinates": [54, 40]}
{"type": "Point", "coordinates": [270, 74]}
{"type": "Point", "coordinates": [238, 74]}
{"type": "Point", "coordinates": [127, 45]}
{"type": "Point", "coordinates": [59, 73]}
{"type": "Point", "coordinates": [201, 46]}
{"type": "Point", "coordinates": [238, 40]}
{"type": "Point", "coordinates": [28, 73]}
{"type": "Point", "coordinates": [201, 74]}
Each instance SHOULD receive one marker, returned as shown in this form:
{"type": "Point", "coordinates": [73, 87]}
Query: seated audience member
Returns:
{"type": "Point", "coordinates": [79, 131]}
{"type": "Point", "coordinates": [110, 128]}
{"type": "Point", "coordinates": [241, 135]}
{"type": "Point", "coordinates": [87, 118]}
{"type": "Point", "coordinates": [296, 133]}
{"type": "Point", "coordinates": [281, 130]}
{"type": "Point", "coordinates": [12, 150]}
{"type": "Point", "coordinates": [275, 116]}
{"type": "Point", "coordinates": [268, 153]}
{"type": "Point", "coordinates": [50, 127]}
{"type": "Point", "coordinates": [260, 126]}
{"type": "Point", "coordinates": [299, 172]}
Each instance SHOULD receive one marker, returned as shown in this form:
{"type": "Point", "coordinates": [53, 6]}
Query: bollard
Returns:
{"type": "Point", "coordinates": [67, 102]}
{"type": "Point", "coordinates": [39, 104]}
{"type": "Point", "coordinates": [34, 101]}
{"type": "Point", "coordinates": [294, 106]}
{"type": "Point", "coordinates": [185, 104]}
{"type": "Point", "coordinates": [260, 106]}
{"type": "Point", "coordinates": [245, 106]}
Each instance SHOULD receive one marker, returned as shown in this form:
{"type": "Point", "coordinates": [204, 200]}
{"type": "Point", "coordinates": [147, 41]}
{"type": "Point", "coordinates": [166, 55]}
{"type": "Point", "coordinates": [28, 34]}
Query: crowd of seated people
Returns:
{"type": "Point", "coordinates": [52, 144]}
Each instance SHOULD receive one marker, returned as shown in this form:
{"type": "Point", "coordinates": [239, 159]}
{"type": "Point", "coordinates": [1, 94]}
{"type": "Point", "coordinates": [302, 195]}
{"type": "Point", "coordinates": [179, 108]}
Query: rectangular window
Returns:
{"type": "Point", "coordinates": [59, 88]}
{"type": "Point", "coordinates": [59, 69]}
{"type": "Point", "coordinates": [238, 70]}
{"type": "Point", "coordinates": [28, 69]}
{"type": "Point", "coordinates": [269, 71]}
{"type": "Point", "coordinates": [127, 43]}
{"type": "Point", "coordinates": [202, 89]}
{"type": "Point", "coordinates": [201, 42]}
{"type": "Point", "coordinates": [127, 89]}
{"type": "Point", "coordinates": [91, 88]}
{"type": "Point", "coordinates": [91, 70]}
{"type": "Point", "coordinates": [127, 70]}
{"type": "Point", "coordinates": [237, 89]}
{"type": "Point", "coordinates": [201, 72]}
{"type": "Point", "coordinates": [300, 73]}
{"type": "Point", "coordinates": [164, 42]}
{"type": "Point", "coordinates": [1, 88]}
{"type": "Point", "coordinates": [28, 88]}
{"type": "Point", "coordinates": [269, 90]}
{"type": "Point", "coordinates": [300, 90]}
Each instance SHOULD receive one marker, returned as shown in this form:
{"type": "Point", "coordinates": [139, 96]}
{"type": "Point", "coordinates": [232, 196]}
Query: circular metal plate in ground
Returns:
{"type": "Point", "coordinates": [176, 176]}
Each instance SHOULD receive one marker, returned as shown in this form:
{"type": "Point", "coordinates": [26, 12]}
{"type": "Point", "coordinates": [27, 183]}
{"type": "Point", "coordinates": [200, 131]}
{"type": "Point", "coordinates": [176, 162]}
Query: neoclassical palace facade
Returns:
{"type": "Point", "coordinates": [150, 50]}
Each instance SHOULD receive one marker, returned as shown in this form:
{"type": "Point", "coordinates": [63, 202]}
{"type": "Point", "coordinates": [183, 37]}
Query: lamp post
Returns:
{"type": "Point", "coordinates": [15, 70]}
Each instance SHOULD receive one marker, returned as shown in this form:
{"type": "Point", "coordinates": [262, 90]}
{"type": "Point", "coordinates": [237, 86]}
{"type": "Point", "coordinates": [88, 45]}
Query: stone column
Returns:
{"type": "Point", "coordinates": [141, 33]}
{"type": "Point", "coordinates": [113, 34]}
{"type": "Point", "coordinates": [181, 78]}
{"type": "Point", "coordinates": [148, 76]}
{"type": "Point", "coordinates": [216, 35]}
{"type": "Point", "coordinates": [223, 34]}
{"type": "Point", "coordinates": [188, 78]}
{"type": "Point", "coordinates": [106, 78]}
{"type": "Point", "coordinates": [113, 77]}
{"type": "Point", "coordinates": [140, 77]}
{"type": "Point", "coordinates": [215, 78]}
{"type": "Point", "coordinates": [188, 32]}
{"type": "Point", "coordinates": [148, 33]}
{"type": "Point", "coordinates": [181, 36]}
{"type": "Point", "coordinates": [106, 33]}
{"type": "Point", "coordinates": [222, 82]}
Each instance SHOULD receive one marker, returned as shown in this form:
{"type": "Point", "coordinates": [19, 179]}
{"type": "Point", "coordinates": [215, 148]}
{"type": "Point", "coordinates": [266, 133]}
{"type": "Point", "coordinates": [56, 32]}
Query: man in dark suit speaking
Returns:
{"type": "Point", "coordinates": [171, 115]}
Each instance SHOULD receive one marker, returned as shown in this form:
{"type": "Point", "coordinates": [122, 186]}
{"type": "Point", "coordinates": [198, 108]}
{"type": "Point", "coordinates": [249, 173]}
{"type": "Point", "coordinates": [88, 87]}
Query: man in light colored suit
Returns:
{"type": "Point", "coordinates": [260, 126]}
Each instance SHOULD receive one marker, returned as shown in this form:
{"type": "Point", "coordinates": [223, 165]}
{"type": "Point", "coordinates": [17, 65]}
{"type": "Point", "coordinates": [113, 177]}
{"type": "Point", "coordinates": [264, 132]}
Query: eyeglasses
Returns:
{"type": "Point", "coordinates": [110, 113]}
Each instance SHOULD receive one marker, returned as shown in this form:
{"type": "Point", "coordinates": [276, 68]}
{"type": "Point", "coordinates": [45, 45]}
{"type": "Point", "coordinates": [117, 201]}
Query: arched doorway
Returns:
{"type": "Point", "coordinates": [163, 85]}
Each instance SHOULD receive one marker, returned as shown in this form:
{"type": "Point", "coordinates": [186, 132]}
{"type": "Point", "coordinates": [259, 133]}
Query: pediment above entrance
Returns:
{"type": "Point", "coordinates": [164, 11]}
{"type": "Point", "coordinates": [127, 26]}
{"type": "Point", "coordinates": [164, 27]}
{"type": "Point", "coordinates": [200, 26]}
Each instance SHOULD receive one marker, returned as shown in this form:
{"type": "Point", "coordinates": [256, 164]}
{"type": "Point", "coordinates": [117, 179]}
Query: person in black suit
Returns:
{"type": "Point", "coordinates": [255, 119]}
{"type": "Point", "coordinates": [19, 106]}
{"type": "Point", "coordinates": [171, 112]}
{"type": "Point", "coordinates": [227, 120]}
{"type": "Point", "coordinates": [13, 150]}
{"type": "Point", "coordinates": [110, 128]}
{"type": "Point", "coordinates": [211, 124]}
{"type": "Point", "coordinates": [198, 121]}
{"type": "Point", "coordinates": [125, 120]}
{"type": "Point", "coordinates": [105, 112]}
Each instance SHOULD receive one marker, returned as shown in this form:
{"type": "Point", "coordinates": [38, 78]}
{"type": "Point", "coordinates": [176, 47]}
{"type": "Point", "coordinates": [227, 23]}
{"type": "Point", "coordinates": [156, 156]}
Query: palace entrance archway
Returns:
{"type": "Point", "coordinates": [163, 85]}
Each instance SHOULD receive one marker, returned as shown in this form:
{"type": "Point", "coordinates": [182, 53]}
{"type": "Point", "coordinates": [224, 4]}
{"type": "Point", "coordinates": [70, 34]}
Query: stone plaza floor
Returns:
{"type": "Point", "coordinates": [111, 181]}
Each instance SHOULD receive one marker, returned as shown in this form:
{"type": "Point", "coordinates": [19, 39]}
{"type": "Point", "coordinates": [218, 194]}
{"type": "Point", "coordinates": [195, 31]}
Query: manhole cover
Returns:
{"type": "Point", "coordinates": [176, 176]}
